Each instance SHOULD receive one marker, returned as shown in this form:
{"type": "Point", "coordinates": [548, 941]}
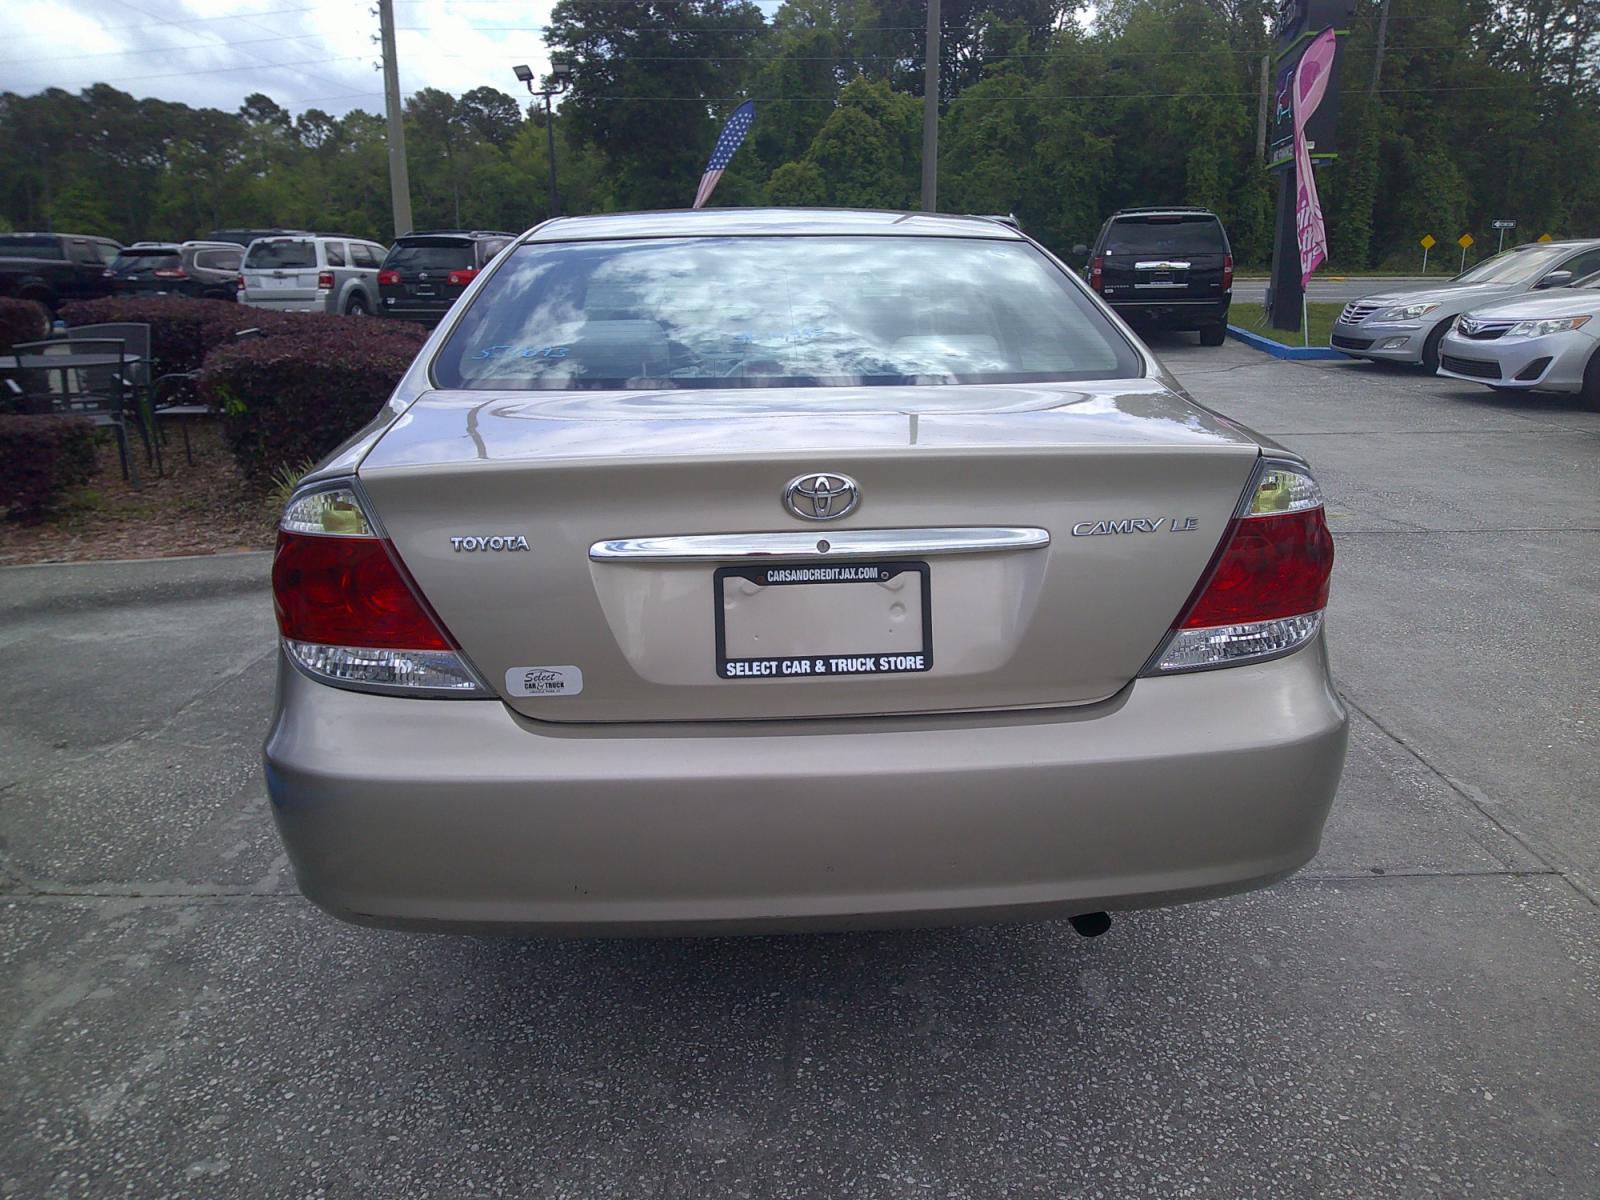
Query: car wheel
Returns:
{"type": "Point", "coordinates": [1591, 383]}
{"type": "Point", "coordinates": [1430, 348]}
{"type": "Point", "coordinates": [356, 308]}
{"type": "Point", "coordinates": [1213, 335]}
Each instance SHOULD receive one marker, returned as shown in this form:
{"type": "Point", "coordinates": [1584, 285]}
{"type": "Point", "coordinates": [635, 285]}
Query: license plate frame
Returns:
{"type": "Point", "coordinates": [857, 661]}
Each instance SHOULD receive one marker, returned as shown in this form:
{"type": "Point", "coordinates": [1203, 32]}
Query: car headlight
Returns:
{"type": "Point", "coordinates": [1552, 325]}
{"type": "Point", "coordinates": [1407, 312]}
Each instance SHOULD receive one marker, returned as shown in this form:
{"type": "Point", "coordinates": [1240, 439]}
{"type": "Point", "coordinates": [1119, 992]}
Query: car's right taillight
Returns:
{"type": "Point", "coordinates": [325, 280]}
{"type": "Point", "coordinates": [348, 610]}
{"type": "Point", "coordinates": [1264, 591]}
{"type": "Point", "coordinates": [388, 278]}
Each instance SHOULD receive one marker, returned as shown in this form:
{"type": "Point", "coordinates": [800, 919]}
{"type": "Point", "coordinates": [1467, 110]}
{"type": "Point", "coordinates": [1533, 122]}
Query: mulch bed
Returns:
{"type": "Point", "coordinates": [200, 509]}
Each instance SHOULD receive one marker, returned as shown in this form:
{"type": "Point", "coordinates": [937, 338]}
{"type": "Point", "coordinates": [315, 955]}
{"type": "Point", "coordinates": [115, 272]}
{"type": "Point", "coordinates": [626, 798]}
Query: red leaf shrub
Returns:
{"type": "Point", "coordinates": [184, 330]}
{"type": "Point", "coordinates": [22, 321]}
{"type": "Point", "coordinates": [41, 457]}
{"type": "Point", "coordinates": [291, 398]}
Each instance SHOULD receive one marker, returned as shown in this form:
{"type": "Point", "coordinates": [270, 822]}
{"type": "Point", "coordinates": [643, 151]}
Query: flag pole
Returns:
{"type": "Point", "coordinates": [930, 113]}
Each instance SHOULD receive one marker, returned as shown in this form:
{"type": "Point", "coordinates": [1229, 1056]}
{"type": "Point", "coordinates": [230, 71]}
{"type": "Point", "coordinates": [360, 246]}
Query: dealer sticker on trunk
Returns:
{"type": "Point", "coordinates": [544, 681]}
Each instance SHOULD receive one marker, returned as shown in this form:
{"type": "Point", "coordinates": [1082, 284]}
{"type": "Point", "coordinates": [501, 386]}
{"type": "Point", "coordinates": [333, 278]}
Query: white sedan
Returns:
{"type": "Point", "coordinates": [1538, 342]}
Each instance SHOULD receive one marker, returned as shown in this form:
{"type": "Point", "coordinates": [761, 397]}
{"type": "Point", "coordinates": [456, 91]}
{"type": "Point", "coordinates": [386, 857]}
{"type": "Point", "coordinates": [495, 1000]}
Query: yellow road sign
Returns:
{"type": "Point", "coordinates": [1427, 241]}
{"type": "Point", "coordinates": [1545, 237]}
{"type": "Point", "coordinates": [1464, 240]}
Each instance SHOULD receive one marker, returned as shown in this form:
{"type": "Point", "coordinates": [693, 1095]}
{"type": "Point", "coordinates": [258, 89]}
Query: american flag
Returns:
{"type": "Point", "coordinates": [727, 145]}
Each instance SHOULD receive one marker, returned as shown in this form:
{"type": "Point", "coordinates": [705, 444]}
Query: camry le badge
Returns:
{"type": "Point", "coordinates": [1135, 525]}
{"type": "Point", "coordinates": [821, 496]}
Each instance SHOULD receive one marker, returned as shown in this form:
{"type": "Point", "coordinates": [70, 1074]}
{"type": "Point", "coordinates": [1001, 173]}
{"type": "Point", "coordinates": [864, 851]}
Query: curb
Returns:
{"type": "Point", "coordinates": [113, 583]}
{"type": "Point", "coordinates": [1278, 350]}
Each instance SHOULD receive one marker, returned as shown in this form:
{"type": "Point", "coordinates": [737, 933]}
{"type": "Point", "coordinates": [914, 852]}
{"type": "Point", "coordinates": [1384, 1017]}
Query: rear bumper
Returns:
{"type": "Point", "coordinates": [406, 308]}
{"type": "Point", "coordinates": [316, 304]}
{"type": "Point", "coordinates": [1171, 314]}
{"type": "Point", "coordinates": [459, 814]}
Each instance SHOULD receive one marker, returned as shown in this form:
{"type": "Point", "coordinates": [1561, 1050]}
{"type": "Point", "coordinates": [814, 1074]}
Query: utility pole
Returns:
{"type": "Point", "coordinates": [1261, 108]}
{"type": "Point", "coordinates": [1377, 58]}
{"type": "Point", "coordinates": [930, 114]}
{"type": "Point", "coordinates": [399, 178]}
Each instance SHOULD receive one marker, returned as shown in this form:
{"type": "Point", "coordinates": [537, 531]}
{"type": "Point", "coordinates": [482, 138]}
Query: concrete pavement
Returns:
{"type": "Point", "coordinates": [1412, 1016]}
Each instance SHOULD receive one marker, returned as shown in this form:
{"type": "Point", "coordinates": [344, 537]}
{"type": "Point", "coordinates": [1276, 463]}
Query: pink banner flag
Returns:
{"type": "Point", "coordinates": [1310, 85]}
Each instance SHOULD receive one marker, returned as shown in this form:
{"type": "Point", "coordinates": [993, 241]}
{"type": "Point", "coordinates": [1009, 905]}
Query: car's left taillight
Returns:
{"type": "Point", "coordinates": [1265, 589]}
{"type": "Point", "coordinates": [348, 611]}
{"type": "Point", "coordinates": [1227, 272]}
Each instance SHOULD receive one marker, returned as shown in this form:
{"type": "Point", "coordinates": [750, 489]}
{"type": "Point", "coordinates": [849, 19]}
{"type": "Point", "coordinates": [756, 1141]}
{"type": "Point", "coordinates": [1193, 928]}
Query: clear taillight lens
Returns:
{"type": "Point", "coordinates": [348, 610]}
{"type": "Point", "coordinates": [1267, 586]}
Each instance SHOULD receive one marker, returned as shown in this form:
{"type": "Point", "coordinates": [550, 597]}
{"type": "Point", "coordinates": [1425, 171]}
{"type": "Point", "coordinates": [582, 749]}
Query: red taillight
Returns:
{"type": "Point", "coordinates": [325, 279]}
{"type": "Point", "coordinates": [171, 273]}
{"type": "Point", "coordinates": [1270, 567]}
{"type": "Point", "coordinates": [238, 283]}
{"type": "Point", "coordinates": [1097, 273]}
{"type": "Point", "coordinates": [462, 278]}
{"type": "Point", "coordinates": [1227, 271]}
{"type": "Point", "coordinates": [388, 278]}
{"type": "Point", "coordinates": [348, 591]}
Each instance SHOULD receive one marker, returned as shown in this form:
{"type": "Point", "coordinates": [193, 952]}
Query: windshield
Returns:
{"type": "Point", "coordinates": [1166, 235]}
{"type": "Point", "coordinates": [430, 256]}
{"type": "Point", "coordinates": [30, 247]}
{"type": "Point", "coordinates": [1514, 266]}
{"type": "Point", "coordinates": [779, 311]}
{"type": "Point", "coordinates": [266, 255]}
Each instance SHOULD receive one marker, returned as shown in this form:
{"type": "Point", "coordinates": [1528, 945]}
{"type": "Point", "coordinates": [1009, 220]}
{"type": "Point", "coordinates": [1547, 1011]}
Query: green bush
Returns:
{"type": "Point", "coordinates": [184, 330]}
{"type": "Point", "coordinates": [294, 397]}
{"type": "Point", "coordinates": [22, 321]}
{"type": "Point", "coordinates": [40, 458]}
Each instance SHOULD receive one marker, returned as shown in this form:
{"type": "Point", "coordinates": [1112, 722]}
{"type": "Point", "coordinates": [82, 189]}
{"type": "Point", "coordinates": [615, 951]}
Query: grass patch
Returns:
{"type": "Point", "coordinates": [1320, 316]}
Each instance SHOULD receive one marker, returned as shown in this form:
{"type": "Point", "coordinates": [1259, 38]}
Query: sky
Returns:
{"type": "Point", "coordinates": [213, 53]}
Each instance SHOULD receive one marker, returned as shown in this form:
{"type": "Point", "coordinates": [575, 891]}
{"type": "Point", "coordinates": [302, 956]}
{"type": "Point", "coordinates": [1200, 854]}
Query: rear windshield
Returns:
{"type": "Point", "coordinates": [138, 260]}
{"type": "Point", "coordinates": [430, 256]}
{"type": "Point", "coordinates": [778, 311]}
{"type": "Point", "coordinates": [282, 254]}
{"type": "Point", "coordinates": [31, 247]}
{"type": "Point", "coordinates": [1166, 235]}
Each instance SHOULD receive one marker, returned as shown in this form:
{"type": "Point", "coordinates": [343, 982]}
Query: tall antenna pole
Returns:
{"type": "Point", "coordinates": [1377, 58]}
{"type": "Point", "coordinates": [399, 179]}
{"type": "Point", "coordinates": [930, 114]}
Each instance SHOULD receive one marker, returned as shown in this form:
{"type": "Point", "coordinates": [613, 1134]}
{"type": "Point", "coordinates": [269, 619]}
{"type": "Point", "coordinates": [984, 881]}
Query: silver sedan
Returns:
{"type": "Point", "coordinates": [1544, 343]}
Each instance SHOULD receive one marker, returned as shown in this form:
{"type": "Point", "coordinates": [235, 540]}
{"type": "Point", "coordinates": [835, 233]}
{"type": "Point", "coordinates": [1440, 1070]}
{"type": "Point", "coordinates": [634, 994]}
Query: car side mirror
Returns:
{"type": "Point", "coordinates": [1554, 279]}
{"type": "Point", "coordinates": [1080, 250]}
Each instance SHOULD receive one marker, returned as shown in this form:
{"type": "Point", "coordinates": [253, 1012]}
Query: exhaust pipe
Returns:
{"type": "Point", "coordinates": [1090, 925]}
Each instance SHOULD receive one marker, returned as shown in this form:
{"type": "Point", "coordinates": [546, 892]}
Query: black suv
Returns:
{"type": "Point", "coordinates": [53, 268]}
{"type": "Point", "coordinates": [206, 270]}
{"type": "Point", "coordinates": [1168, 267]}
{"type": "Point", "coordinates": [425, 272]}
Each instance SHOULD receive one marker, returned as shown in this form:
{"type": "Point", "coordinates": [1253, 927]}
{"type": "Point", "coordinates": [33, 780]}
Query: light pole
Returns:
{"type": "Point", "coordinates": [561, 79]}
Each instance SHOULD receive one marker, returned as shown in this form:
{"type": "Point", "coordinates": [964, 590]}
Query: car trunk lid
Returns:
{"type": "Point", "coordinates": [283, 269]}
{"type": "Point", "coordinates": [502, 507]}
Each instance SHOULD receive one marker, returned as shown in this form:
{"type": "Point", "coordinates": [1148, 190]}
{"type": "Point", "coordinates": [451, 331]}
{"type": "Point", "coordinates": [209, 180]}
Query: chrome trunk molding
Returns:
{"type": "Point", "coordinates": [835, 543]}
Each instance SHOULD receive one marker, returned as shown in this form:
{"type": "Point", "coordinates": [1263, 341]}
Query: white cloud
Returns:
{"type": "Point", "coordinates": [302, 54]}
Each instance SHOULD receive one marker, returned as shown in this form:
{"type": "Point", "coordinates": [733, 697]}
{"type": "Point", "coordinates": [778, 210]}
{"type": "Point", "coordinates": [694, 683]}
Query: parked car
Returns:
{"type": "Point", "coordinates": [425, 273]}
{"type": "Point", "coordinates": [1171, 268]}
{"type": "Point", "coordinates": [1548, 342]}
{"type": "Point", "coordinates": [53, 268]}
{"type": "Point", "coordinates": [1407, 327]}
{"type": "Point", "coordinates": [737, 569]}
{"type": "Point", "coordinates": [205, 270]}
{"type": "Point", "coordinates": [243, 237]}
{"type": "Point", "coordinates": [312, 273]}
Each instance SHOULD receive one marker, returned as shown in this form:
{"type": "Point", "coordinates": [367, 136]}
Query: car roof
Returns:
{"type": "Point", "coordinates": [1171, 210]}
{"type": "Point", "coordinates": [457, 233]}
{"type": "Point", "coordinates": [208, 244]}
{"type": "Point", "coordinates": [1570, 243]}
{"type": "Point", "coordinates": [800, 222]}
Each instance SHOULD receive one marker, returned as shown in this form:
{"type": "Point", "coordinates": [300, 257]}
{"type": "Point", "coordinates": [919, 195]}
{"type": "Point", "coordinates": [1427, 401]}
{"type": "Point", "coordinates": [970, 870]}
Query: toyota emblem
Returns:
{"type": "Point", "coordinates": [821, 496]}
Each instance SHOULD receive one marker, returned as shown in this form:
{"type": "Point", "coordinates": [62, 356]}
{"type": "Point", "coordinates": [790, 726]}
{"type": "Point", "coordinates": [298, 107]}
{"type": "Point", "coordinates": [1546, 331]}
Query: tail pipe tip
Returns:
{"type": "Point", "coordinates": [1090, 925]}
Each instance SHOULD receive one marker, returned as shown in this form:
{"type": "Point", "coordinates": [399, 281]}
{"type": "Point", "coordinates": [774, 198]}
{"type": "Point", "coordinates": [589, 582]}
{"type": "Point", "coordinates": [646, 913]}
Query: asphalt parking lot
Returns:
{"type": "Point", "coordinates": [1414, 1015]}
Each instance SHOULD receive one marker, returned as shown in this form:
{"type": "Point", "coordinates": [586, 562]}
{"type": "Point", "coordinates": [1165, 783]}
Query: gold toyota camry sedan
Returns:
{"type": "Point", "coordinates": [792, 569]}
